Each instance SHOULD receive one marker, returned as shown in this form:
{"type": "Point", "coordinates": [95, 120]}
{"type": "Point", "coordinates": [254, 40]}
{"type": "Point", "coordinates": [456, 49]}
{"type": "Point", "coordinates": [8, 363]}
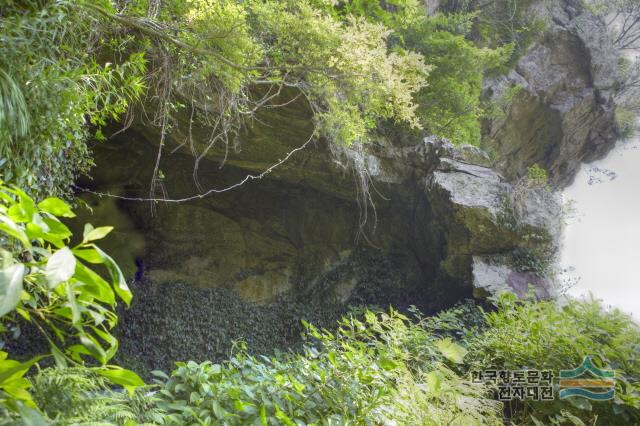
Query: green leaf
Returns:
{"type": "Point", "coordinates": [58, 356]}
{"type": "Point", "coordinates": [10, 287]}
{"type": "Point", "coordinates": [12, 229]}
{"type": "Point", "coordinates": [76, 315]}
{"type": "Point", "coordinates": [11, 370]}
{"type": "Point", "coordinates": [94, 284]}
{"type": "Point", "coordinates": [18, 214]}
{"type": "Point", "coordinates": [263, 416]}
{"type": "Point", "coordinates": [90, 255]}
{"type": "Point", "coordinates": [57, 229]}
{"type": "Point", "coordinates": [117, 279]}
{"type": "Point", "coordinates": [120, 376]}
{"type": "Point", "coordinates": [108, 338]}
{"type": "Point", "coordinates": [94, 348]}
{"type": "Point", "coordinates": [451, 350]}
{"type": "Point", "coordinates": [92, 234]}
{"type": "Point", "coordinates": [60, 267]}
{"type": "Point", "coordinates": [581, 403]}
{"type": "Point", "coordinates": [161, 374]}
{"type": "Point", "coordinates": [56, 207]}
{"type": "Point", "coordinates": [434, 382]}
{"type": "Point", "coordinates": [388, 364]}
{"type": "Point", "coordinates": [34, 231]}
{"type": "Point", "coordinates": [31, 416]}
{"type": "Point", "coordinates": [282, 416]}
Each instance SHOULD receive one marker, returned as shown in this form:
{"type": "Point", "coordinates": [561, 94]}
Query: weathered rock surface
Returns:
{"type": "Point", "coordinates": [563, 113]}
{"type": "Point", "coordinates": [483, 217]}
{"type": "Point", "coordinates": [279, 238]}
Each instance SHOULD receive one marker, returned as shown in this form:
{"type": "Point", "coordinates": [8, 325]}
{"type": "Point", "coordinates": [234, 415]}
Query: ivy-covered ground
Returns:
{"type": "Point", "coordinates": [172, 322]}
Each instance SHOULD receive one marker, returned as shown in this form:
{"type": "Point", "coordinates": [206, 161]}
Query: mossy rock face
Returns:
{"type": "Point", "coordinates": [274, 237]}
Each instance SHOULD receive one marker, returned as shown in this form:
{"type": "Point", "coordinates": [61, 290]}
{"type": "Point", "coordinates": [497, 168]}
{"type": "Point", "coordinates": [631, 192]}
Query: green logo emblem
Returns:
{"type": "Point", "coordinates": [602, 381]}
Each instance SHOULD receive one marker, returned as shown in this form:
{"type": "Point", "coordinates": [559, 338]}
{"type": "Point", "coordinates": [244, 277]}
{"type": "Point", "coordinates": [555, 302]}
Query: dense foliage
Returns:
{"type": "Point", "coordinates": [379, 368]}
{"type": "Point", "coordinates": [70, 67]}
{"type": "Point", "coordinates": [52, 84]}
{"type": "Point", "coordinates": [546, 335]}
{"type": "Point", "coordinates": [47, 284]}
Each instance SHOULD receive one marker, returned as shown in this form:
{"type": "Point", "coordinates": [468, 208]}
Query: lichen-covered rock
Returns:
{"type": "Point", "coordinates": [562, 111]}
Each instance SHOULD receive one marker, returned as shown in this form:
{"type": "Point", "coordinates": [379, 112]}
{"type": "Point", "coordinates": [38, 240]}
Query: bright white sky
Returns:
{"type": "Point", "coordinates": [602, 239]}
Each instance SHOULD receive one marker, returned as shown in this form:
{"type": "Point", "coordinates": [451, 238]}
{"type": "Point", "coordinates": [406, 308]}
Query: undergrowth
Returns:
{"type": "Point", "coordinates": [381, 368]}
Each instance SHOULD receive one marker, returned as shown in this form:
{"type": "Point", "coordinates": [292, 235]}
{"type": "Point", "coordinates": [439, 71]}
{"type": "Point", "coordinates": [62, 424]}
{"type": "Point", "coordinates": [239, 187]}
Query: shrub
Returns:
{"type": "Point", "coordinates": [546, 335]}
{"type": "Point", "coordinates": [48, 284]}
{"type": "Point", "coordinates": [364, 372]}
{"type": "Point", "coordinates": [626, 121]}
{"type": "Point", "coordinates": [380, 369]}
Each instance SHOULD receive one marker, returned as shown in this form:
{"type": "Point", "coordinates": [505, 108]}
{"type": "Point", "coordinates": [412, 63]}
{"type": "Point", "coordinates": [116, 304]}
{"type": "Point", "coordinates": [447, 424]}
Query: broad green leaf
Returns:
{"type": "Point", "coordinates": [23, 210]}
{"type": "Point", "coordinates": [94, 348]}
{"type": "Point", "coordinates": [388, 364]}
{"type": "Point", "coordinates": [27, 202]}
{"type": "Point", "coordinates": [88, 254]}
{"type": "Point", "coordinates": [60, 267]}
{"type": "Point", "coordinates": [96, 233]}
{"type": "Point", "coordinates": [434, 382]}
{"type": "Point", "coordinates": [10, 287]}
{"type": "Point", "coordinates": [108, 338]}
{"type": "Point", "coordinates": [10, 228]}
{"type": "Point", "coordinates": [11, 370]}
{"type": "Point", "coordinates": [57, 229]}
{"type": "Point", "coordinates": [94, 285]}
{"type": "Point", "coordinates": [120, 376]}
{"type": "Point", "coordinates": [18, 214]}
{"type": "Point", "coordinates": [161, 374]}
{"type": "Point", "coordinates": [18, 390]}
{"type": "Point", "coordinates": [117, 279]}
{"type": "Point", "coordinates": [282, 416]}
{"type": "Point", "coordinates": [451, 350]}
{"type": "Point", "coordinates": [87, 229]}
{"type": "Point", "coordinates": [56, 207]}
{"type": "Point", "coordinates": [34, 231]}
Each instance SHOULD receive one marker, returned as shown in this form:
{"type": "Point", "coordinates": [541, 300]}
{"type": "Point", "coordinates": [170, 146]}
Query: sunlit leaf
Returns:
{"type": "Point", "coordinates": [11, 228]}
{"type": "Point", "coordinates": [117, 278]}
{"type": "Point", "coordinates": [56, 207]}
{"type": "Point", "coordinates": [94, 284]}
{"type": "Point", "coordinates": [60, 267]}
{"type": "Point", "coordinates": [89, 254]}
{"type": "Point", "coordinates": [120, 376]}
{"type": "Point", "coordinates": [96, 233]}
{"type": "Point", "coordinates": [451, 350]}
{"type": "Point", "coordinates": [10, 287]}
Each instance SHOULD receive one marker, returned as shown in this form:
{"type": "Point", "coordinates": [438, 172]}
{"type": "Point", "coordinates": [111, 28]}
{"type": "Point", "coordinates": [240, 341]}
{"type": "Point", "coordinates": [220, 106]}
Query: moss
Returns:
{"type": "Point", "coordinates": [626, 122]}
